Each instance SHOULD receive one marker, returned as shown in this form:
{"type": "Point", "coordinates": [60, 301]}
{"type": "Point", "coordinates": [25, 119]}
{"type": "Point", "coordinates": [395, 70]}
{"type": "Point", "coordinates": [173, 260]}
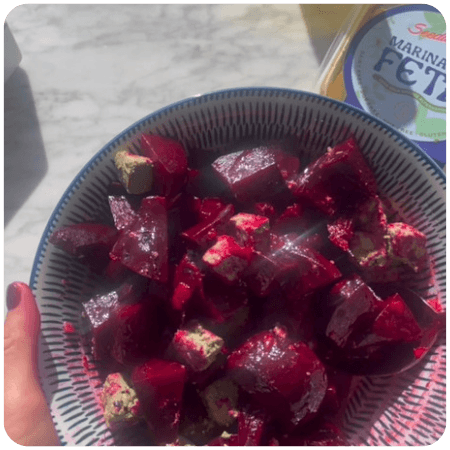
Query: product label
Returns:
{"type": "Point", "coordinates": [396, 70]}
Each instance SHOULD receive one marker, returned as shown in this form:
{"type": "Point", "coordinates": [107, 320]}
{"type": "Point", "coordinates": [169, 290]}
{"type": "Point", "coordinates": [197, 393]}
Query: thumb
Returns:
{"type": "Point", "coordinates": [27, 416]}
{"type": "Point", "coordinates": [22, 327]}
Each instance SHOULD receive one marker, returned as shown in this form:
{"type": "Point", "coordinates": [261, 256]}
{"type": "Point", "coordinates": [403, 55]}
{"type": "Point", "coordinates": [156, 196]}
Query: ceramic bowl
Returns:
{"type": "Point", "coordinates": [407, 409]}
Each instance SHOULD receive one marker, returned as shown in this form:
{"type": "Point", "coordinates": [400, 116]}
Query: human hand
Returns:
{"type": "Point", "coordinates": [27, 416]}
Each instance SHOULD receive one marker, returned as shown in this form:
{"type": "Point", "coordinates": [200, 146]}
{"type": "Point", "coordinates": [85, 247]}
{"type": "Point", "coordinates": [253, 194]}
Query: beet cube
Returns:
{"type": "Point", "coordinates": [205, 233]}
{"type": "Point", "coordinates": [124, 214]}
{"type": "Point", "coordinates": [312, 270]}
{"type": "Point", "coordinates": [170, 162]}
{"type": "Point", "coordinates": [351, 306]}
{"type": "Point", "coordinates": [99, 308]}
{"type": "Point", "coordinates": [223, 308]}
{"type": "Point", "coordinates": [287, 164]}
{"type": "Point", "coordinates": [251, 175]}
{"type": "Point", "coordinates": [251, 230]}
{"type": "Point", "coordinates": [188, 280]}
{"type": "Point", "coordinates": [341, 232]}
{"type": "Point", "coordinates": [89, 242]}
{"type": "Point", "coordinates": [196, 347]}
{"type": "Point", "coordinates": [263, 274]}
{"type": "Point", "coordinates": [210, 207]}
{"type": "Point", "coordinates": [143, 247]}
{"type": "Point", "coordinates": [265, 209]}
{"type": "Point", "coordinates": [100, 313]}
{"type": "Point", "coordinates": [337, 181]}
{"type": "Point", "coordinates": [196, 427]}
{"type": "Point", "coordinates": [251, 427]}
{"type": "Point", "coordinates": [135, 332]}
{"type": "Point", "coordinates": [396, 322]}
{"type": "Point", "coordinates": [318, 435]}
{"type": "Point", "coordinates": [79, 239]}
{"type": "Point", "coordinates": [160, 385]}
{"type": "Point", "coordinates": [284, 376]}
{"type": "Point", "coordinates": [116, 271]}
{"type": "Point", "coordinates": [291, 219]}
{"type": "Point", "coordinates": [227, 259]}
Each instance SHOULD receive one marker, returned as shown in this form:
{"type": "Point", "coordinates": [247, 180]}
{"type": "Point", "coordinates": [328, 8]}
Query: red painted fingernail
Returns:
{"type": "Point", "coordinates": [13, 295]}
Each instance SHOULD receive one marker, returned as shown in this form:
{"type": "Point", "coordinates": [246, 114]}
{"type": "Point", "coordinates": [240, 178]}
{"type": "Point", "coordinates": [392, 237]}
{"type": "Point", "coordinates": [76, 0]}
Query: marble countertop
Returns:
{"type": "Point", "coordinates": [89, 71]}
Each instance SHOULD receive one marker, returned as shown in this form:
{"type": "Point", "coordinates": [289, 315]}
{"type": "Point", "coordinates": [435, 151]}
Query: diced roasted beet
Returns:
{"type": "Point", "coordinates": [209, 207]}
{"type": "Point", "coordinates": [116, 271]}
{"type": "Point", "coordinates": [159, 385]}
{"type": "Point", "coordinates": [290, 220]}
{"type": "Point", "coordinates": [339, 385]}
{"type": "Point", "coordinates": [170, 161]}
{"type": "Point", "coordinates": [251, 175]}
{"type": "Point", "coordinates": [323, 434]}
{"type": "Point", "coordinates": [223, 309]}
{"type": "Point", "coordinates": [428, 312]}
{"type": "Point", "coordinates": [221, 301]}
{"type": "Point", "coordinates": [227, 259]}
{"type": "Point", "coordinates": [396, 321]}
{"type": "Point", "coordinates": [99, 308]}
{"type": "Point", "coordinates": [135, 332]}
{"type": "Point", "coordinates": [195, 424]}
{"type": "Point", "coordinates": [265, 209]}
{"type": "Point", "coordinates": [196, 347]}
{"type": "Point", "coordinates": [188, 280]}
{"type": "Point", "coordinates": [251, 230]}
{"type": "Point", "coordinates": [312, 270]}
{"type": "Point", "coordinates": [205, 233]}
{"type": "Point", "coordinates": [205, 183]}
{"type": "Point", "coordinates": [143, 247]}
{"type": "Point", "coordinates": [90, 242]}
{"type": "Point", "coordinates": [284, 376]}
{"type": "Point", "coordinates": [341, 232]}
{"type": "Point", "coordinates": [123, 212]}
{"type": "Point", "coordinates": [287, 164]}
{"type": "Point", "coordinates": [350, 306]}
{"type": "Point", "coordinates": [263, 274]}
{"type": "Point", "coordinates": [101, 343]}
{"type": "Point", "coordinates": [365, 348]}
{"type": "Point", "coordinates": [135, 172]}
{"type": "Point", "coordinates": [337, 181]}
{"type": "Point", "coordinates": [251, 427]}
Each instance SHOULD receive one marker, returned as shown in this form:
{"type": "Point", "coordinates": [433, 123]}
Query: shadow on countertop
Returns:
{"type": "Point", "coordinates": [25, 162]}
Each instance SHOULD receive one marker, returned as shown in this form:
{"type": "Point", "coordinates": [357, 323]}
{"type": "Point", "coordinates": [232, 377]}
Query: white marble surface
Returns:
{"type": "Point", "coordinates": [89, 71]}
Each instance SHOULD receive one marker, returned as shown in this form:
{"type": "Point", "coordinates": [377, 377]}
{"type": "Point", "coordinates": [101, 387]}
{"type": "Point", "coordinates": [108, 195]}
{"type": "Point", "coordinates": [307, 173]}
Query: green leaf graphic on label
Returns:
{"type": "Point", "coordinates": [436, 21]}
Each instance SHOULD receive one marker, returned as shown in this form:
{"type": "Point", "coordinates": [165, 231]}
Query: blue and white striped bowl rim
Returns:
{"type": "Point", "coordinates": [408, 409]}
